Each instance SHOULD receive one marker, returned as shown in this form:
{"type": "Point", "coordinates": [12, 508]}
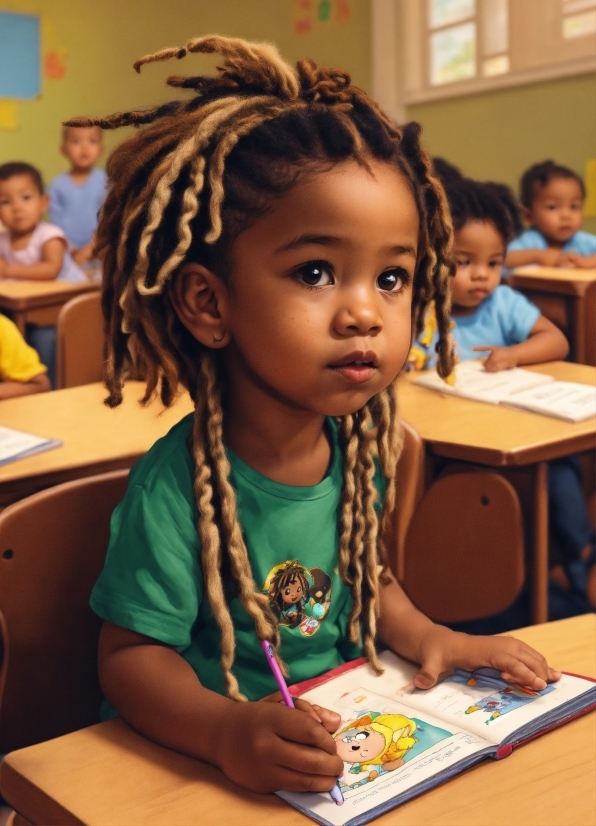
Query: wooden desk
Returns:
{"type": "Point", "coordinates": [38, 302]}
{"type": "Point", "coordinates": [109, 775]}
{"type": "Point", "coordinates": [568, 299]}
{"type": "Point", "coordinates": [96, 439]}
{"type": "Point", "coordinates": [499, 437]}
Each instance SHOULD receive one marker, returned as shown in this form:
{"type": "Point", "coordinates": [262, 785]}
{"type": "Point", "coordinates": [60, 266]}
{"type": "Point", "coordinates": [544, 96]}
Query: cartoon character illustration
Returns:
{"type": "Point", "coordinates": [287, 585]}
{"type": "Point", "coordinates": [319, 602]}
{"type": "Point", "coordinates": [373, 744]}
{"type": "Point", "coordinates": [503, 701]}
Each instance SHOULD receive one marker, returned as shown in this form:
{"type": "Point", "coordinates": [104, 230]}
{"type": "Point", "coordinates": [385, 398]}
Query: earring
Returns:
{"type": "Point", "coordinates": [217, 340]}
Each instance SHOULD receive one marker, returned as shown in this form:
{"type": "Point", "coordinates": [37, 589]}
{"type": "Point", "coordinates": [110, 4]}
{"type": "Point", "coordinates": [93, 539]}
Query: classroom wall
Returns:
{"type": "Point", "coordinates": [97, 41]}
{"type": "Point", "coordinates": [497, 135]}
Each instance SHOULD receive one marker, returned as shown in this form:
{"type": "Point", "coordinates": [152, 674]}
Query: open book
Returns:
{"type": "Point", "coordinates": [16, 445]}
{"type": "Point", "coordinates": [398, 741]}
{"type": "Point", "coordinates": [524, 389]}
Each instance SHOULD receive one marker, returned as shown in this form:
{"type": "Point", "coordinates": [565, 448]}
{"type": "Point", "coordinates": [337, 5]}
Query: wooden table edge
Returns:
{"type": "Point", "coordinates": [40, 803]}
{"type": "Point", "coordinates": [23, 303]}
{"type": "Point", "coordinates": [513, 458]}
{"type": "Point", "coordinates": [573, 289]}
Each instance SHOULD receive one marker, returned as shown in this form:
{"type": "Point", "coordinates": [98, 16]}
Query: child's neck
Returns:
{"type": "Point", "coordinates": [459, 310]}
{"type": "Point", "coordinates": [285, 444]}
{"type": "Point", "coordinates": [19, 240]}
{"type": "Point", "coordinates": [78, 175]}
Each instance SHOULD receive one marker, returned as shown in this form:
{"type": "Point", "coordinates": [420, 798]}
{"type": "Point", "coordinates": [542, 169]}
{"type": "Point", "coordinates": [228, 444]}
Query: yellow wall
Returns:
{"type": "Point", "coordinates": [102, 38]}
{"type": "Point", "coordinates": [496, 136]}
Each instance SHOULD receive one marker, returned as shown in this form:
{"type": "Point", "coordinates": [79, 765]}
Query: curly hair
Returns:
{"type": "Point", "coordinates": [182, 189]}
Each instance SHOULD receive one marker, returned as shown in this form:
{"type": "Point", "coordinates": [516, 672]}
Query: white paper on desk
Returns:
{"type": "Point", "coordinates": [562, 399]}
{"type": "Point", "coordinates": [473, 382]}
{"type": "Point", "coordinates": [17, 445]}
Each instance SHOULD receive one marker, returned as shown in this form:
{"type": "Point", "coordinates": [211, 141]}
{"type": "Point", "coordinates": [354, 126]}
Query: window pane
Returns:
{"type": "Point", "coordinates": [443, 12]}
{"type": "Point", "coordinates": [453, 54]}
{"type": "Point", "coordinates": [495, 27]}
{"type": "Point", "coordinates": [496, 65]}
{"type": "Point", "coordinates": [579, 25]}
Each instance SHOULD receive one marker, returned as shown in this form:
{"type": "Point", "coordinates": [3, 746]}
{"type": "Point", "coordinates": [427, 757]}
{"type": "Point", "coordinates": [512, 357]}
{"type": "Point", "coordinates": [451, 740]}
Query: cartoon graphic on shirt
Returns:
{"type": "Point", "coordinates": [299, 597]}
{"type": "Point", "coordinates": [372, 745]}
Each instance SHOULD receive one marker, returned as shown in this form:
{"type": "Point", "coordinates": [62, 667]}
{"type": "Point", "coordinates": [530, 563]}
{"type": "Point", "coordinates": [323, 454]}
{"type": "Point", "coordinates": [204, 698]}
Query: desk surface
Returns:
{"type": "Point", "coordinates": [492, 434]}
{"type": "Point", "coordinates": [26, 295]}
{"type": "Point", "coordinates": [96, 439]}
{"type": "Point", "coordinates": [108, 774]}
{"type": "Point", "coordinates": [552, 279]}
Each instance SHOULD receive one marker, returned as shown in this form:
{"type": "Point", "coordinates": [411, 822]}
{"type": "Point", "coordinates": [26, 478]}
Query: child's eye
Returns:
{"type": "Point", "coordinates": [463, 262]}
{"type": "Point", "coordinates": [315, 274]}
{"type": "Point", "coordinates": [495, 264]}
{"type": "Point", "coordinates": [392, 281]}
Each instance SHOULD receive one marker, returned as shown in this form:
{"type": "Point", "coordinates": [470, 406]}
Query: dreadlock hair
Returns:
{"type": "Point", "coordinates": [182, 189]}
{"type": "Point", "coordinates": [538, 176]}
{"type": "Point", "coordinates": [471, 200]}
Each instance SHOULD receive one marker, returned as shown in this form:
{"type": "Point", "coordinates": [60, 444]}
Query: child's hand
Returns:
{"type": "Point", "coordinates": [501, 358]}
{"type": "Point", "coordinates": [552, 257]}
{"type": "Point", "coordinates": [267, 747]}
{"type": "Point", "coordinates": [581, 262]}
{"type": "Point", "coordinates": [443, 650]}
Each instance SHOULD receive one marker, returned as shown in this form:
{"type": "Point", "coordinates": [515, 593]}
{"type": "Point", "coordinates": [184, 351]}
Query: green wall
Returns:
{"type": "Point", "coordinates": [102, 38]}
{"type": "Point", "coordinates": [497, 135]}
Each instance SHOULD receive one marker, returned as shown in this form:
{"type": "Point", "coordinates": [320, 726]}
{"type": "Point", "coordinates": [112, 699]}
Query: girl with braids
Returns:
{"type": "Point", "coordinates": [268, 246]}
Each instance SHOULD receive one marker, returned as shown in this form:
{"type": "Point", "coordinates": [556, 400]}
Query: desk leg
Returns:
{"type": "Point", "coordinates": [20, 319]}
{"type": "Point", "coordinates": [540, 545]}
{"type": "Point", "coordinates": [578, 332]}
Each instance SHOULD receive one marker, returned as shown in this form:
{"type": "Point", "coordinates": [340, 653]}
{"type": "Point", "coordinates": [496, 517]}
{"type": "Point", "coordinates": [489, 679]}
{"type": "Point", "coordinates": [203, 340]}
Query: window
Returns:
{"type": "Point", "coordinates": [447, 48]}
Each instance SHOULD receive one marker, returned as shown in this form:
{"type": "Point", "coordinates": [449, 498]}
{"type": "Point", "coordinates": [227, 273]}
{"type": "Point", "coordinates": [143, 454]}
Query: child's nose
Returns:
{"type": "Point", "coordinates": [359, 314]}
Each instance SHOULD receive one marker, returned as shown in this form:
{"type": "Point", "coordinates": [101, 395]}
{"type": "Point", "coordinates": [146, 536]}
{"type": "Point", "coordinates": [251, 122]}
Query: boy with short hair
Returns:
{"type": "Point", "coordinates": [21, 371]}
{"type": "Point", "coordinates": [552, 198]}
{"type": "Point", "coordinates": [77, 195]}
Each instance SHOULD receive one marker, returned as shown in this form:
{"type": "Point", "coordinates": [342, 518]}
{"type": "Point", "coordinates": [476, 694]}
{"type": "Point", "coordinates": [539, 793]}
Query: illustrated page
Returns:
{"type": "Point", "coordinates": [483, 703]}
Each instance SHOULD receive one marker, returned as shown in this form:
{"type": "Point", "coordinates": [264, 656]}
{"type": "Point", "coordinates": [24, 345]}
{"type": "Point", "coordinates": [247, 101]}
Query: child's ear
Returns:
{"type": "Point", "coordinates": [526, 214]}
{"type": "Point", "coordinates": [201, 302]}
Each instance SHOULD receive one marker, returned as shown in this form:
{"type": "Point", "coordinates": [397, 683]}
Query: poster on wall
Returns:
{"type": "Point", "coordinates": [309, 15]}
{"type": "Point", "coordinates": [19, 56]}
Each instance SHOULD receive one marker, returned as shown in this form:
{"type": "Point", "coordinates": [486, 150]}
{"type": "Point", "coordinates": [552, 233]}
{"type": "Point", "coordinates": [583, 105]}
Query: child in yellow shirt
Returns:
{"type": "Point", "coordinates": [21, 371]}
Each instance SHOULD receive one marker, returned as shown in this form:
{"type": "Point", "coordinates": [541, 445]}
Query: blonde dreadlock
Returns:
{"type": "Point", "coordinates": [181, 190]}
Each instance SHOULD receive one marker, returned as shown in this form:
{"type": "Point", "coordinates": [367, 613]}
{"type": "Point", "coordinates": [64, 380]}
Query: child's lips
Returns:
{"type": "Point", "coordinates": [356, 373]}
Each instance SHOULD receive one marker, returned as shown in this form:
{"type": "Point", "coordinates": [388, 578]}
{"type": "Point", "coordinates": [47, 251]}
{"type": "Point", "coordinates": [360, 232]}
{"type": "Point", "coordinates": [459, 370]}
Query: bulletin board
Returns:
{"type": "Point", "coordinates": [19, 55]}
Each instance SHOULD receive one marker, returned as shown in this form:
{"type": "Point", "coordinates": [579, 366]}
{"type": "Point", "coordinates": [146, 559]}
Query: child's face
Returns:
{"type": "Point", "coordinates": [556, 210]}
{"type": "Point", "coordinates": [479, 253]}
{"type": "Point", "coordinates": [82, 146]}
{"type": "Point", "coordinates": [22, 205]}
{"type": "Point", "coordinates": [320, 294]}
{"type": "Point", "coordinates": [293, 592]}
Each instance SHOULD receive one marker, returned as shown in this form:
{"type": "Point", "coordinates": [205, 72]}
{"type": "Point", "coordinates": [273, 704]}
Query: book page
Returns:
{"type": "Point", "coordinates": [387, 749]}
{"type": "Point", "coordinates": [16, 445]}
{"type": "Point", "coordinates": [484, 704]}
{"type": "Point", "coordinates": [473, 382]}
{"type": "Point", "coordinates": [563, 399]}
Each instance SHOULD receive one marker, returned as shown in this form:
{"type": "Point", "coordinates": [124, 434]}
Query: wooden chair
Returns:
{"type": "Point", "coordinates": [52, 549]}
{"type": "Point", "coordinates": [80, 342]}
{"type": "Point", "coordinates": [464, 548]}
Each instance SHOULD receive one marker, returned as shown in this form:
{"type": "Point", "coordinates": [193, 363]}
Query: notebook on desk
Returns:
{"type": "Point", "coordinates": [523, 389]}
{"type": "Point", "coordinates": [16, 445]}
{"type": "Point", "coordinates": [398, 741]}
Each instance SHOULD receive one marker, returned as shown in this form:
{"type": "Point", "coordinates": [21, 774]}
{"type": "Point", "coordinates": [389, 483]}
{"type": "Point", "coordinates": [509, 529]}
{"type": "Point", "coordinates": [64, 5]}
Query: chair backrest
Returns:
{"type": "Point", "coordinates": [80, 341]}
{"type": "Point", "coordinates": [52, 549]}
{"type": "Point", "coordinates": [408, 492]}
{"type": "Point", "coordinates": [464, 549]}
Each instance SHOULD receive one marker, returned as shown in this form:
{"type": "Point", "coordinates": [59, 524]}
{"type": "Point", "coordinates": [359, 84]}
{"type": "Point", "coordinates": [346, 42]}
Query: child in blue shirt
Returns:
{"type": "Point", "coordinates": [76, 196]}
{"type": "Point", "coordinates": [489, 317]}
{"type": "Point", "coordinates": [552, 199]}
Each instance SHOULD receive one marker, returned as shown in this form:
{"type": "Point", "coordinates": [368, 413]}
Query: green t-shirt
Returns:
{"type": "Point", "coordinates": [152, 582]}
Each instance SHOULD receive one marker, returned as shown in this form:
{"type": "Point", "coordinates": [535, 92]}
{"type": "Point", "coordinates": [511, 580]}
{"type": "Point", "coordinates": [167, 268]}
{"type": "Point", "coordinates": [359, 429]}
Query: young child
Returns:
{"type": "Point", "coordinates": [76, 196]}
{"type": "Point", "coordinates": [490, 317]}
{"type": "Point", "coordinates": [30, 248]}
{"type": "Point", "coordinates": [21, 371]}
{"type": "Point", "coordinates": [552, 198]}
{"type": "Point", "coordinates": [267, 245]}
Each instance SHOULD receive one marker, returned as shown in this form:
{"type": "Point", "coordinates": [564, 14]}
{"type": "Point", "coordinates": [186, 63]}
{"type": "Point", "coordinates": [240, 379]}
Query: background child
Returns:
{"type": "Point", "coordinates": [552, 198]}
{"type": "Point", "coordinates": [76, 196]}
{"type": "Point", "coordinates": [490, 317]}
{"type": "Point", "coordinates": [21, 371]}
{"type": "Point", "coordinates": [267, 244]}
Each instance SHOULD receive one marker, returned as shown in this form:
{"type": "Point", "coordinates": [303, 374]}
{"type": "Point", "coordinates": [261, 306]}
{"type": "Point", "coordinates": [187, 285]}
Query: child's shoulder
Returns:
{"type": "Point", "coordinates": [168, 461]}
{"type": "Point", "coordinates": [506, 298]}
{"type": "Point", "coordinates": [582, 242]}
{"type": "Point", "coordinates": [530, 239]}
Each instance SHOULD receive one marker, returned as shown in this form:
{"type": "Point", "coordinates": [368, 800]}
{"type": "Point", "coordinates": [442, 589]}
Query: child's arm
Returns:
{"type": "Point", "coordinates": [582, 262]}
{"type": "Point", "coordinates": [545, 343]}
{"type": "Point", "coordinates": [37, 384]}
{"type": "Point", "coordinates": [544, 258]}
{"type": "Point", "coordinates": [439, 650]}
{"type": "Point", "coordinates": [52, 256]}
{"type": "Point", "coordinates": [261, 746]}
